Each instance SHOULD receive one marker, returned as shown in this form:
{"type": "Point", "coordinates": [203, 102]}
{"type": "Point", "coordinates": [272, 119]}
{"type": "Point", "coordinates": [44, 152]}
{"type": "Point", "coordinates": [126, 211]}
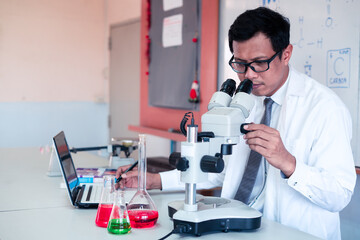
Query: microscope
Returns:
{"type": "Point", "coordinates": [203, 153]}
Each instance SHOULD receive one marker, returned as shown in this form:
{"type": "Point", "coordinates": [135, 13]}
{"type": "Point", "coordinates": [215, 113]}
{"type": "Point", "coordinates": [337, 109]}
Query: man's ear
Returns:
{"type": "Point", "coordinates": [286, 54]}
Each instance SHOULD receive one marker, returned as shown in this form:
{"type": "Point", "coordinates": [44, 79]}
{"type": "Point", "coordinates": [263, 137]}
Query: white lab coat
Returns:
{"type": "Point", "coordinates": [315, 127]}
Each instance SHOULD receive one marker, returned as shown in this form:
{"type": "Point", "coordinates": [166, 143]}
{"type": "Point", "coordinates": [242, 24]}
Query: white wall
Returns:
{"type": "Point", "coordinates": [54, 68]}
{"type": "Point", "coordinates": [52, 50]}
{"type": "Point", "coordinates": [122, 10]}
{"type": "Point", "coordinates": [52, 65]}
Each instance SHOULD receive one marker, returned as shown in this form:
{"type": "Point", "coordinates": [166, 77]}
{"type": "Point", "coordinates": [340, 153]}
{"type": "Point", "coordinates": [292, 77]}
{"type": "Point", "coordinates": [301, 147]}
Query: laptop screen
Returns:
{"type": "Point", "coordinates": [67, 163]}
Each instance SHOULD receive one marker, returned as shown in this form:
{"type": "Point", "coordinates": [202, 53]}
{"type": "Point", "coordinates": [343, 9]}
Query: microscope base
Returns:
{"type": "Point", "coordinates": [214, 214]}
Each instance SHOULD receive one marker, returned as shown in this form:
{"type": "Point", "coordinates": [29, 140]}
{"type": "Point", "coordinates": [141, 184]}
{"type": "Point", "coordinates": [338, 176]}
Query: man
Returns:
{"type": "Point", "coordinates": [306, 175]}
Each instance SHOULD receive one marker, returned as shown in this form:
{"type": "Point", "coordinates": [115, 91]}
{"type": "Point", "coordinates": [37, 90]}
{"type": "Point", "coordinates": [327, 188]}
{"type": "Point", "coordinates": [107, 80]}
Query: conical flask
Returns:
{"type": "Point", "coordinates": [141, 208]}
{"type": "Point", "coordinates": [106, 201]}
{"type": "Point", "coordinates": [119, 222]}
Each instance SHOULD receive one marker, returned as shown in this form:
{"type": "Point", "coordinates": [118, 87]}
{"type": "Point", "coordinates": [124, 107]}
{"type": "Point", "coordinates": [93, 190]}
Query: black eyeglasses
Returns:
{"type": "Point", "coordinates": [257, 66]}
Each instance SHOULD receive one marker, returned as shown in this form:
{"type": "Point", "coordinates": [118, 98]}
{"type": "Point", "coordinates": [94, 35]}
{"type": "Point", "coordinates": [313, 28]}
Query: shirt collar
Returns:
{"type": "Point", "coordinates": [279, 96]}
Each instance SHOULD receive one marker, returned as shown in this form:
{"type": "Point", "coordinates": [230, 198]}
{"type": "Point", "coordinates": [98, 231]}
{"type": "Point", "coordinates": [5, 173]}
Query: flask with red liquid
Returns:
{"type": "Point", "coordinates": [141, 208]}
{"type": "Point", "coordinates": [106, 202]}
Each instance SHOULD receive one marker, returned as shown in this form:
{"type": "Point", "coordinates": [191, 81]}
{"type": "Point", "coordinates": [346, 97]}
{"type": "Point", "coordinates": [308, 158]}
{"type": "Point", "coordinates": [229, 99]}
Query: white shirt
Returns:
{"type": "Point", "coordinates": [315, 127]}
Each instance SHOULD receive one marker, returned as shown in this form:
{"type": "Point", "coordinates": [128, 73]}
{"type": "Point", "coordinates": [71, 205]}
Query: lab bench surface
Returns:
{"type": "Point", "coordinates": [33, 206]}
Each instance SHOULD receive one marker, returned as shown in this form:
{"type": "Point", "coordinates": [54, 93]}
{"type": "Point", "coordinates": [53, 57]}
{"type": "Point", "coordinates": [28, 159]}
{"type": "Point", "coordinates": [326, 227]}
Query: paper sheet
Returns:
{"type": "Point", "coordinates": [171, 4]}
{"type": "Point", "coordinates": [172, 31]}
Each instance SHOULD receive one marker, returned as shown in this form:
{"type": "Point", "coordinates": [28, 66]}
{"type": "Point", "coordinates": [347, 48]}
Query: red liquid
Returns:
{"type": "Point", "coordinates": [143, 218]}
{"type": "Point", "coordinates": [103, 215]}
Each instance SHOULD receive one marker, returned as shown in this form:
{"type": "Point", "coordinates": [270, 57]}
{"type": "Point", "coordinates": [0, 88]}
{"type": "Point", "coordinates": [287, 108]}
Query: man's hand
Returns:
{"type": "Point", "coordinates": [267, 141]}
{"type": "Point", "coordinates": [130, 179]}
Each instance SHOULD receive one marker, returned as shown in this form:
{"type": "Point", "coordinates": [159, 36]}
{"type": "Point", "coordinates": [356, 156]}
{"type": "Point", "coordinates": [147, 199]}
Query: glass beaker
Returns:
{"type": "Point", "coordinates": [141, 208]}
{"type": "Point", "coordinates": [119, 222]}
{"type": "Point", "coordinates": [106, 201]}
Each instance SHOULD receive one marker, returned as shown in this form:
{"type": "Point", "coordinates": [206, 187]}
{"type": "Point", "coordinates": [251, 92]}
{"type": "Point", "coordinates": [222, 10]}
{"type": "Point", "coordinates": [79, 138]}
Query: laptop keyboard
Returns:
{"type": "Point", "coordinates": [92, 194]}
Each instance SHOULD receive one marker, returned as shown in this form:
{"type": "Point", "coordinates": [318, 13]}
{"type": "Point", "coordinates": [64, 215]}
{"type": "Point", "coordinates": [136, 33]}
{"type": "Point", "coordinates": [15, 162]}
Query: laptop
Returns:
{"type": "Point", "coordinates": [82, 195]}
{"type": "Point", "coordinates": [85, 195]}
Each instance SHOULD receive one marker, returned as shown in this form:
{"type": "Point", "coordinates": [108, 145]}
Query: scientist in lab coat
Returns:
{"type": "Point", "coordinates": [307, 173]}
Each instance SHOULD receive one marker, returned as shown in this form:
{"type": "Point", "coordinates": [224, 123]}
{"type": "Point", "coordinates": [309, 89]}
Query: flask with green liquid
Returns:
{"type": "Point", "coordinates": [119, 222]}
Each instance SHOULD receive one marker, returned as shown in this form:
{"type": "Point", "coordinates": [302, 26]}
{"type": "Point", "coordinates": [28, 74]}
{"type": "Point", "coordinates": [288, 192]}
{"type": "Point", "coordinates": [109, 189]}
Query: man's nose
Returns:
{"type": "Point", "coordinates": [249, 73]}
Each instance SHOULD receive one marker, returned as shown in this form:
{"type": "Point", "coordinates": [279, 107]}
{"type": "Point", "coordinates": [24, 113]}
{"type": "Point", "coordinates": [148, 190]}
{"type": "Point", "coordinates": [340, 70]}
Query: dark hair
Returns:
{"type": "Point", "coordinates": [275, 26]}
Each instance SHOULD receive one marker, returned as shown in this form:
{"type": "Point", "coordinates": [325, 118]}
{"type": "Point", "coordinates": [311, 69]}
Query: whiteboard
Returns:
{"type": "Point", "coordinates": [325, 36]}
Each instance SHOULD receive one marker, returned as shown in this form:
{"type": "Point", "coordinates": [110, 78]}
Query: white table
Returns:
{"type": "Point", "coordinates": [33, 206]}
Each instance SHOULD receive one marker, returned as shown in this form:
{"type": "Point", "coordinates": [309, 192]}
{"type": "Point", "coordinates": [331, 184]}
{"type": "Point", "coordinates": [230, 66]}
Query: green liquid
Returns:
{"type": "Point", "coordinates": [119, 226]}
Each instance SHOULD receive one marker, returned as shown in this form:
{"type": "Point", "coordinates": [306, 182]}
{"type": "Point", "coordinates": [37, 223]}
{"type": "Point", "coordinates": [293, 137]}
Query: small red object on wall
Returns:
{"type": "Point", "coordinates": [194, 92]}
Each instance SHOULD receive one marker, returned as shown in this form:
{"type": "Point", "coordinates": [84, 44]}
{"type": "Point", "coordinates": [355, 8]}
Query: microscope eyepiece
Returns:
{"type": "Point", "coordinates": [245, 86]}
{"type": "Point", "coordinates": [228, 87]}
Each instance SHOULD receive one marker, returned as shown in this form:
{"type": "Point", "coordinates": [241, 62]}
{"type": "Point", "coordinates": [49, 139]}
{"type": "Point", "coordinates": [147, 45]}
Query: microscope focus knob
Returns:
{"type": "Point", "coordinates": [212, 164]}
{"type": "Point", "coordinates": [180, 163]}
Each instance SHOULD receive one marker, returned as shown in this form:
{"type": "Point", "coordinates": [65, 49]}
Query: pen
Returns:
{"type": "Point", "coordinates": [129, 169]}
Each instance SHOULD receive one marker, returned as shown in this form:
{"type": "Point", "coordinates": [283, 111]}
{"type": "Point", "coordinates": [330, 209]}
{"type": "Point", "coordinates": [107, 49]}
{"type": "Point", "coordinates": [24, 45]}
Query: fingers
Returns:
{"type": "Point", "coordinates": [261, 131]}
{"type": "Point", "coordinates": [261, 136]}
{"type": "Point", "coordinates": [130, 174]}
{"type": "Point", "coordinates": [127, 183]}
{"type": "Point", "coordinates": [129, 179]}
{"type": "Point", "coordinates": [254, 127]}
{"type": "Point", "coordinates": [122, 169]}
{"type": "Point", "coordinates": [267, 142]}
{"type": "Point", "coordinates": [262, 139]}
